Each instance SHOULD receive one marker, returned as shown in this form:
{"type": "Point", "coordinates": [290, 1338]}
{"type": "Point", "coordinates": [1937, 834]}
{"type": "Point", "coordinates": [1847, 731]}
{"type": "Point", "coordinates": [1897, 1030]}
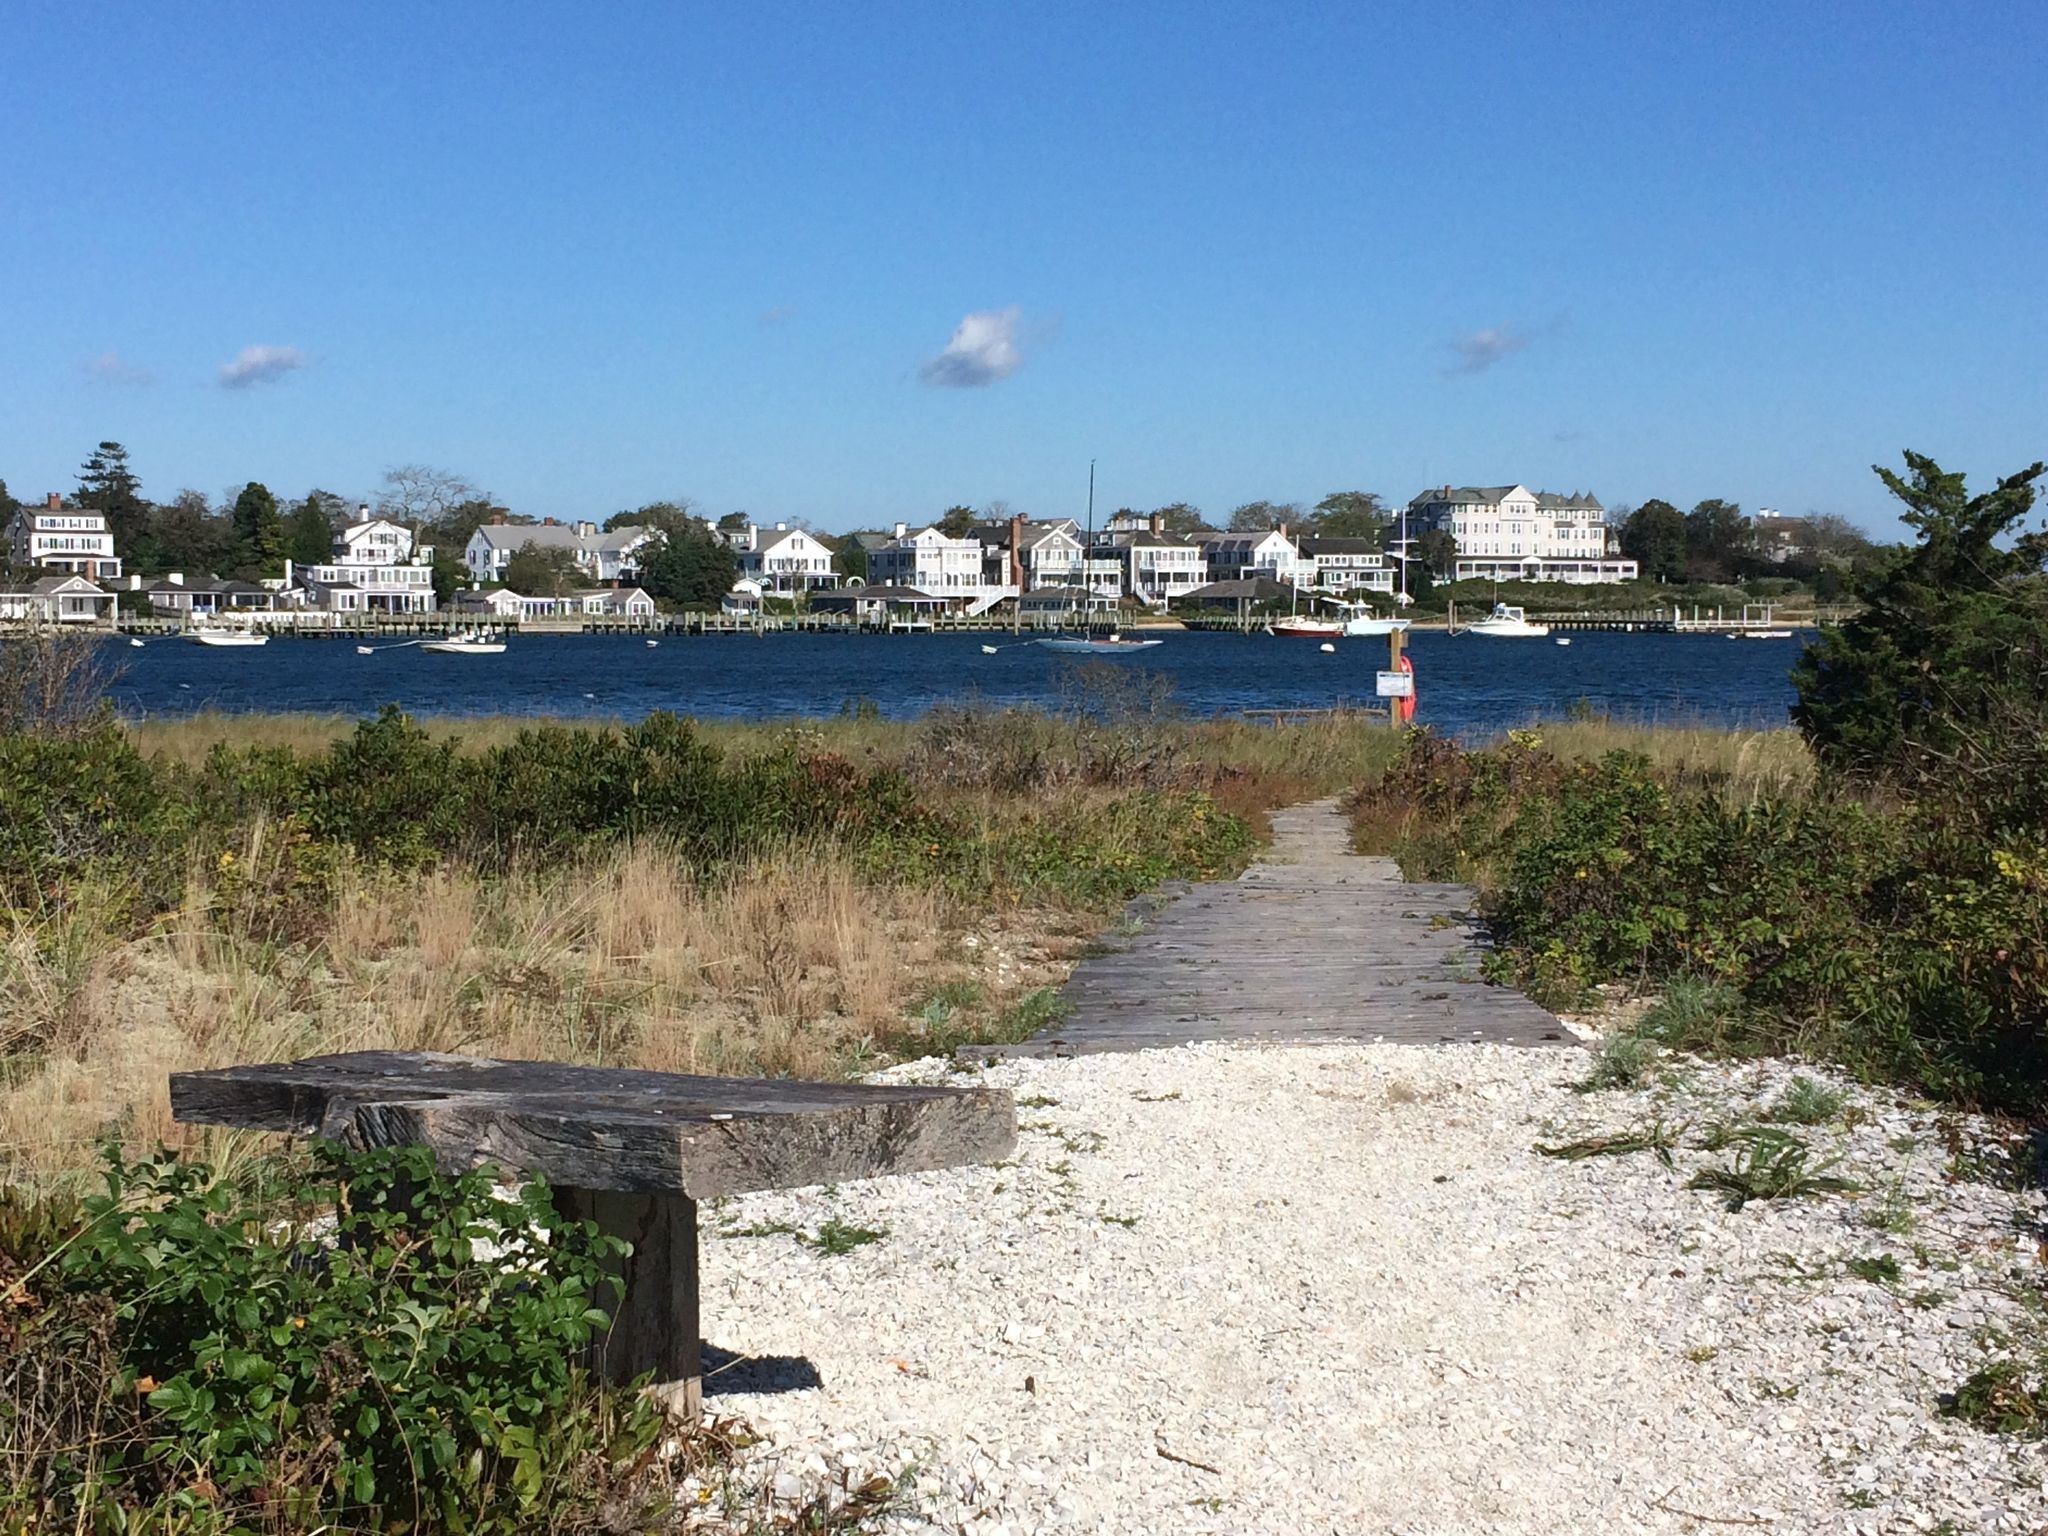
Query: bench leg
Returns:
{"type": "Point", "coordinates": [654, 1328]}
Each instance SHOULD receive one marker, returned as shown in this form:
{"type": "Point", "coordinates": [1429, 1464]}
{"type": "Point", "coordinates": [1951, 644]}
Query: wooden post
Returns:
{"type": "Point", "coordinates": [654, 1327]}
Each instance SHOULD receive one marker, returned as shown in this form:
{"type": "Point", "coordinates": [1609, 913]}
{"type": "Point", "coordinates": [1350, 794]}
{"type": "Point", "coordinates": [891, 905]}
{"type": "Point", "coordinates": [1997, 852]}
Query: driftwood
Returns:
{"type": "Point", "coordinates": [632, 1151]}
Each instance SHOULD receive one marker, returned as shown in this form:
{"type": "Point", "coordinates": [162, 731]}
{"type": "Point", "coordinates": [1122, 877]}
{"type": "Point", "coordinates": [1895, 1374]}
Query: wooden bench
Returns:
{"type": "Point", "coordinates": [632, 1151]}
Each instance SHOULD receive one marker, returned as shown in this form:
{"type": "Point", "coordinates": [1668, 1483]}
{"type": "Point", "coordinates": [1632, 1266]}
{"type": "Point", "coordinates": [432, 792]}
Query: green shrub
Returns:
{"type": "Point", "coordinates": [252, 1371]}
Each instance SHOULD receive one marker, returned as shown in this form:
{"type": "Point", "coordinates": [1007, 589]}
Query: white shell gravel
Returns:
{"type": "Point", "coordinates": [1334, 1289]}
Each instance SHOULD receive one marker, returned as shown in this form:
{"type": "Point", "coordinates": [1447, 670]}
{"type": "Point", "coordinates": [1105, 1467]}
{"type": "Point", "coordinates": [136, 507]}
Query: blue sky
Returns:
{"type": "Point", "coordinates": [592, 256]}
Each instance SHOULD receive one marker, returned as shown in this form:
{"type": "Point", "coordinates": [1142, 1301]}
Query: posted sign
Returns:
{"type": "Point", "coordinates": [1397, 685]}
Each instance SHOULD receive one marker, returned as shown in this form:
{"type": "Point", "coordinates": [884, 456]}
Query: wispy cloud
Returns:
{"type": "Point", "coordinates": [260, 365]}
{"type": "Point", "coordinates": [778, 314]}
{"type": "Point", "coordinates": [983, 350]}
{"type": "Point", "coordinates": [1480, 350]}
{"type": "Point", "coordinates": [111, 368]}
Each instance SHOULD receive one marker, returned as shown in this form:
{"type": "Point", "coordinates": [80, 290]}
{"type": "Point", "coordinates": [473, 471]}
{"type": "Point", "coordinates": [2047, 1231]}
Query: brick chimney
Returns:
{"type": "Point", "coordinates": [54, 501]}
{"type": "Point", "coordinates": [1017, 552]}
{"type": "Point", "coordinates": [1157, 523]}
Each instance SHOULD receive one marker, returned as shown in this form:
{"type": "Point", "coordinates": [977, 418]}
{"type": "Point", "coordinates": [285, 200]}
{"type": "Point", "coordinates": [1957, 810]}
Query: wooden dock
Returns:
{"type": "Point", "coordinates": [1312, 944]}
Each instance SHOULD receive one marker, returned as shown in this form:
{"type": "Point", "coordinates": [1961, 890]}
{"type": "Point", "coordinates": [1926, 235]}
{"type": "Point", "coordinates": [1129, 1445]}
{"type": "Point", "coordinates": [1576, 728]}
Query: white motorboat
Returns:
{"type": "Point", "coordinates": [465, 645]}
{"type": "Point", "coordinates": [1507, 623]}
{"type": "Point", "coordinates": [222, 634]}
{"type": "Point", "coordinates": [1762, 634]}
{"type": "Point", "coordinates": [1363, 623]}
{"type": "Point", "coordinates": [1307, 629]}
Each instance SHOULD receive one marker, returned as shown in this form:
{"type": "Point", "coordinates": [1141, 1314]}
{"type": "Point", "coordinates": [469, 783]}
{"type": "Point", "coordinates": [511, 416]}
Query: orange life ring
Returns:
{"type": "Point", "coordinates": [1406, 706]}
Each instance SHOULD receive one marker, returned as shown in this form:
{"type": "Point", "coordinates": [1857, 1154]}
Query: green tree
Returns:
{"type": "Point", "coordinates": [108, 485]}
{"type": "Point", "coordinates": [187, 535]}
{"type": "Point", "coordinates": [663, 517]}
{"type": "Point", "coordinates": [956, 520]}
{"type": "Point", "coordinates": [1654, 536]}
{"type": "Point", "coordinates": [1351, 515]}
{"type": "Point", "coordinates": [448, 575]}
{"type": "Point", "coordinates": [1946, 660]}
{"type": "Point", "coordinates": [1258, 516]}
{"type": "Point", "coordinates": [8, 505]}
{"type": "Point", "coordinates": [259, 532]}
{"type": "Point", "coordinates": [692, 568]}
{"type": "Point", "coordinates": [1178, 517]}
{"type": "Point", "coordinates": [1716, 537]}
{"type": "Point", "coordinates": [1436, 552]}
{"type": "Point", "coordinates": [309, 535]}
{"type": "Point", "coordinates": [851, 556]}
{"type": "Point", "coordinates": [537, 570]}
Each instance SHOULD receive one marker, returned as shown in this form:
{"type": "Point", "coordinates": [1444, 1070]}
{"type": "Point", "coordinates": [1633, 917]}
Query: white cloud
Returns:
{"type": "Point", "coordinates": [983, 350]}
{"type": "Point", "coordinates": [1482, 349]}
{"type": "Point", "coordinates": [111, 368]}
{"type": "Point", "coordinates": [260, 365]}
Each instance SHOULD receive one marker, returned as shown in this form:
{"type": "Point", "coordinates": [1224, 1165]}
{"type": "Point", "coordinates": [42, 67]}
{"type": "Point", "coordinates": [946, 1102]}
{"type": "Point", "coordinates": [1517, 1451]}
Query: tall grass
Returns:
{"type": "Point", "coordinates": [792, 963]}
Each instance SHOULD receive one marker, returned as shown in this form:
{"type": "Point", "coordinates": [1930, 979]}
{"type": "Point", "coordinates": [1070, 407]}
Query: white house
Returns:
{"type": "Point", "coordinates": [1156, 567]}
{"type": "Point", "coordinates": [1346, 565]}
{"type": "Point", "coordinates": [1248, 556]}
{"type": "Point", "coordinates": [498, 602]}
{"type": "Point", "coordinates": [56, 600]}
{"type": "Point", "coordinates": [1049, 554]}
{"type": "Point", "coordinates": [783, 559]}
{"type": "Point", "coordinates": [930, 562]}
{"type": "Point", "coordinates": [591, 602]}
{"type": "Point", "coordinates": [178, 593]}
{"type": "Point", "coordinates": [1511, 533]}
{"type": "Point", "coordinates": [377, 568]}
{"type": "Point", "coordinates": [603, 557]}
{"type": "Point", "coordinates": [54, 537]}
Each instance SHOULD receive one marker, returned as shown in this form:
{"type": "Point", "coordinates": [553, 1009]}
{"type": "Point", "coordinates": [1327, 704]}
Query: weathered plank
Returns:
{"type": "Point", "coordinates": [1313, 943]}
{"type": "Point", "coordinates": [654, 1326]}
{"type": "Point", "coordinates": [606, 1128]}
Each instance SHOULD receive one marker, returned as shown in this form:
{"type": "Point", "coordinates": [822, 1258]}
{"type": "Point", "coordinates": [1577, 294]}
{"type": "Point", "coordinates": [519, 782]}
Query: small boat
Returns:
{"type": "Point", "coordinates": [1327, 648]}
{"type": "Point", "coordinates": [464, 645]}
{"type": "Point", "coordinates": [1761, 634]}
{"type": "Point", "coordinates": [366, 650]}
{"type": "Point", "coordinates": [136, 643]}
{"type": "Point", "coordinates": [652, 644]}
{"type": "Point", "coordinates": [221, 634]}
{"type": "Point", "coordinates": [1308, 629]}
{"type": "Point", "coordinates": [1115, 645]}
{"type": "Point", "coordinates": [988, 650]}
{"type": "Point", "coordinates": [1563, 640]}
{"type": "Point", "coordinates": [1506, 623]}
{"type": "Point", "coordinates": [1365, 624]}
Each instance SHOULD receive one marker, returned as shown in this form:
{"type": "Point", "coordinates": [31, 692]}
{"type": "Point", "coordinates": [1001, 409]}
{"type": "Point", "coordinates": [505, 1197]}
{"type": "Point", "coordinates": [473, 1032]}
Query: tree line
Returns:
{"type": "Point", "coordinates": [248, 532]}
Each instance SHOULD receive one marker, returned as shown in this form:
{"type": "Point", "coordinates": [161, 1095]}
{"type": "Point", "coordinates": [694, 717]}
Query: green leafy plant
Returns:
{"type": "Point", "coordinates": [371, 1342]}
{"type": "Point", "coordinates": [1806, 1102]}
{"type": "Point", "coordinates": [1624, 1061]}
{"type": "Point", "coordinates": [2007, 1397]}
{"type": "Point", "coordinates": [1769, 1164]}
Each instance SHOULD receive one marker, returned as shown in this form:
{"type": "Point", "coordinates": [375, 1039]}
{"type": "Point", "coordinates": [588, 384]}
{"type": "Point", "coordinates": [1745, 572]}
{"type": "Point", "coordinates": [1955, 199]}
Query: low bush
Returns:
{"type": "Point", "coordinates": [1893, 935]}
{"type": "Point", "coordinates": [369, 1346]}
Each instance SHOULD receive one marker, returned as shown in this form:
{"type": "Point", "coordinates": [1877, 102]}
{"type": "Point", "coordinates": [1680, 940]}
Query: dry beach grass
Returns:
{"type": "Point", "coordinates": [791, 964]}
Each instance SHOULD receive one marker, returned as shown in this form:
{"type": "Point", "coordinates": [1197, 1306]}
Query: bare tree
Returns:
{"type": "Point", "coordinates": [417, 493]}
{"type": "Point", "coordinates": [53, 681]}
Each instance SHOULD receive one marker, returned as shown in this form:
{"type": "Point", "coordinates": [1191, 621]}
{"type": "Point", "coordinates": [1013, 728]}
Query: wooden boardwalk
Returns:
{"type": "Point", "coordinates": [1313, 943]}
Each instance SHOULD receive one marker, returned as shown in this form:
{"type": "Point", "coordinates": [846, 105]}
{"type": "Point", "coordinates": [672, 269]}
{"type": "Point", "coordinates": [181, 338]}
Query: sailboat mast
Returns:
{"type": "Point", "coordinates": [1088, 549]}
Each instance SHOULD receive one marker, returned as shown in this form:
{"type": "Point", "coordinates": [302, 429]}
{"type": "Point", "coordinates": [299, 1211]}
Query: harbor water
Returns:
{"type": "Point", "coordinates": [1466, 685]}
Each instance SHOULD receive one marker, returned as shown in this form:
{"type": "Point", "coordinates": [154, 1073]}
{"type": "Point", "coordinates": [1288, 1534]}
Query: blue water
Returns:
{"type": "Point", "coordinates": [1466, 684]}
